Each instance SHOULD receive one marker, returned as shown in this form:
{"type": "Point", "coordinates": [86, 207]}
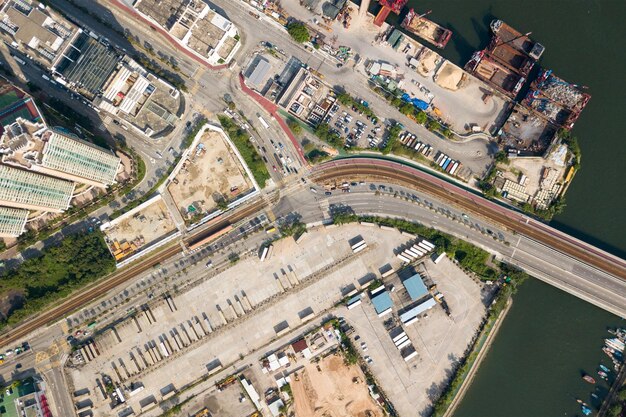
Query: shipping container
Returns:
{"type": "Point", "coordinates": [403, 258]}
{"type": "Point", "coordinates": [264, 253]}
{"type": "Point", "coordinates": [404, 344]}
{"type": "Point", "coordinates": [424, 246]}
{"type": "Point", "coordinates": [398, 337]}
{"type": "Point", "coordinates": [427, 243]}
{"type": "Point", "coordinates": [360, 248]}
{"type": "Point", "coordinates": [401, 340]}
{"type": "Point", "coordinates": [357, 244]}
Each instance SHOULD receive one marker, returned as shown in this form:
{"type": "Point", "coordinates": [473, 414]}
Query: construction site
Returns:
{"type": "Point", "coordinates": [330, 387]}
{"type": "Point", "coordinates": [138, 229]}
{"type": "Point", "coordinates": [210, 175]}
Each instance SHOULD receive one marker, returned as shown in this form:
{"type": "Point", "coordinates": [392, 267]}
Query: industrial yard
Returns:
{"type": "Point", "coordinates": [210, 174]}
{"type": "Point", "coordinates": [289, 289]}
{"type": "Point", "coordinates": [535, 180]}
{"type": "Point", "coordinates": [439, 340]}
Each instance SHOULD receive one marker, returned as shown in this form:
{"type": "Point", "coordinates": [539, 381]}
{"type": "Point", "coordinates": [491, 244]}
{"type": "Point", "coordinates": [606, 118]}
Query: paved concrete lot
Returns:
{"type": "Point", "coordinates": [438, 339]}
{"type": "Point", "coordinates": [211, 172]}
{"type": "Point", "coordinates": [174, 334]}
{"type": "Point", "coordinates": [357, 129]}
{"type": "Point", "coordinates": [228, 402]}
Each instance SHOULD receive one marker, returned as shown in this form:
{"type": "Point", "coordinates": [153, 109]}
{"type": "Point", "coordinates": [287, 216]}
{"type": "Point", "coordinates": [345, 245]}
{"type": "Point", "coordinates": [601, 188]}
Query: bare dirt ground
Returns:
{"type": "Point", "coordinates": [149, 224]}
{"type": "Point", "coordinates": [331, 391]}
{"type": "Point", "coordinates": [208, 173]}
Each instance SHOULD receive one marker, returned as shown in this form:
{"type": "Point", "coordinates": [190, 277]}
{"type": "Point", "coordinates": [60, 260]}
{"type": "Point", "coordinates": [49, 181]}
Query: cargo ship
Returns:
{"type": "Point", "coordinates": [426, 29]}
{"type": "Point", "coordinates": [557, 100]}
{"type": "Point", "coordinates": [517, 40]}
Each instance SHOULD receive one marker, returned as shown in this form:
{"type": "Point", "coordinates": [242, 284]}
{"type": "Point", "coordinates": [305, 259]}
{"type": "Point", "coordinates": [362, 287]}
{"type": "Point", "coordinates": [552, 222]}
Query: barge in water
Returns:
{"type": "Point", "coordinates": [557, 100]}
{"type": "Point", "coordinates": [487, 68]}
{"type": "Point", "coordinates": [517, 40]}
{"type": "Point", "coordinates": [426, 29]}
{"type": "Point", "coordinates": [507, 61]}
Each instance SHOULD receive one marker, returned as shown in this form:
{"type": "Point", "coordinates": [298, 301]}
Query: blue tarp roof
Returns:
{"type": "Point", "coordinates": [415, 287]}
{"type": "Point", "coordinates": [382, 302]}
{"type": "Point", "coordinates": [354, 299]}
{"type": "Point", "coordinates": [420, 104]}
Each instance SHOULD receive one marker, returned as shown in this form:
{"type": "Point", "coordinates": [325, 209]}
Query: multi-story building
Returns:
{"type": "Point", "coordinates": [85, 63]}
{"type": "Point", "coordinates": [32, 191]}
{"type": "Point", "coordinates": [195, 26]}
{"type": "Point", "coordinates": [140, 98]}
{"type": "Point", "coordinates": [43, 34]}
{"type": "Point", "coordinates": [12, 221]}
{"type": "Point", "coordinates": [39, 165]}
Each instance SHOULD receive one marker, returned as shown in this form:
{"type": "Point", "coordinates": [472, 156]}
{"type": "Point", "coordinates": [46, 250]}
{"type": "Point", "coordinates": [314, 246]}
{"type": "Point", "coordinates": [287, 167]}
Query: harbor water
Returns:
{"type": "Point", "coordinates": [550, 338]}
{"type": "Point", "coordinates": [583, 41]}
{"type": "Point", "coordinates": [535, 364]}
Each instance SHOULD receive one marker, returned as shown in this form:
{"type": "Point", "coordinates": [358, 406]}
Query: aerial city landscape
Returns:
{"type": "Point", "coordinates": [311, 208]}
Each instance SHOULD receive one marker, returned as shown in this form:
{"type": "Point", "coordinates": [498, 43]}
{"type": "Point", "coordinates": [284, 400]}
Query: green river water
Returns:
{"type": "Point", "coordinates": [549, 337]}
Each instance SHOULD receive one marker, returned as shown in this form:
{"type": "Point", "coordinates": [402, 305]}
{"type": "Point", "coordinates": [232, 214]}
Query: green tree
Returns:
{"type": "Point", "coordinates": [502, 158]}
{"type": "Point", "coordinates": [421, 117]}
{"type": "Point", "coordinates": [298, 32]}
{"type": "Point", "coordinates": [615, 410]}
{"type": "Point", "coordinates": [433, 125]}
{"type": "Point", "coordinates": [294, 125]}
{"type": "Point", "coordinates": [222, 204]}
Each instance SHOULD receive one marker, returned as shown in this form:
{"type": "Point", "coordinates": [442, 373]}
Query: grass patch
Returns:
{"type": "Point", "coordinates": [241, 139]}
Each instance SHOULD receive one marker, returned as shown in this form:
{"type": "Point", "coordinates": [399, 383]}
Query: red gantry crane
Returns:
{"type": "Point", "coordinates": [388, 6]}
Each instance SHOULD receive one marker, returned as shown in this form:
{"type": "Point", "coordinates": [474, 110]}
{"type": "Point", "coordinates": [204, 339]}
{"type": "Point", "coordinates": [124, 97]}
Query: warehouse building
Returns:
{"type": "Point", "coordinates": [12, 221]}
{"type": "Point", "coordinates": [33, 191]}
{"type": "Point", "coordinates": [415, 287]}
{"type": "Point", "coordinates": [381, 301]}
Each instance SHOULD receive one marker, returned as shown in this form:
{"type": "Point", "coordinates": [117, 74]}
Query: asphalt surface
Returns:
{"type": "Point", "coordinates": [392, 201]}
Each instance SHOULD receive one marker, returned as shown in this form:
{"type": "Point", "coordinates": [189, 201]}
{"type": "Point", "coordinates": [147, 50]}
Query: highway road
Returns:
{"type": "Point", "coordinates": [570, 264]}
{"type": "Point", "coordinates": [376, 198]}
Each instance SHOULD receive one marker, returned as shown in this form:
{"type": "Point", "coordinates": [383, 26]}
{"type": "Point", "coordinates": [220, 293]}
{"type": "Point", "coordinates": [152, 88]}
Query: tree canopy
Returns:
{"type": "Point", "coordinates": [298, 32]}
{"type": "Point", "coordinates": [76, 261]}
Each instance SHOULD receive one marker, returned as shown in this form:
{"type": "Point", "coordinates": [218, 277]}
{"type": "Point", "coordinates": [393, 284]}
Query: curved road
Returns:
{"type": "Point", "coordinates": [587, 268]}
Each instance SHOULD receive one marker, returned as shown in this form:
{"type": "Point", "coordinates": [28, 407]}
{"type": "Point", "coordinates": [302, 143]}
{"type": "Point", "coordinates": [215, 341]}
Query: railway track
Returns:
{"type": "Point", "coordinates": [394, 172]}
{"type": "Point", "coordinates": [119, 277]}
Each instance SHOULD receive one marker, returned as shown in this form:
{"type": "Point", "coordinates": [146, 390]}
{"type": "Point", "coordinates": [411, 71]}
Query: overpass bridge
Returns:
{"type": "Point", "coordinates": [568, 263]}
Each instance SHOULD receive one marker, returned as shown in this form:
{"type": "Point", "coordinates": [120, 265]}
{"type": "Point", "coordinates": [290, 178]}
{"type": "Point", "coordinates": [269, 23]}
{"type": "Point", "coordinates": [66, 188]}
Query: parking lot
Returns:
{"type": "Point", "coordinates": [246, 310]}
{"type": "Point", "coordinates": [357, 129]}
{"type": "Point", "coordinates": [440, 340]}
